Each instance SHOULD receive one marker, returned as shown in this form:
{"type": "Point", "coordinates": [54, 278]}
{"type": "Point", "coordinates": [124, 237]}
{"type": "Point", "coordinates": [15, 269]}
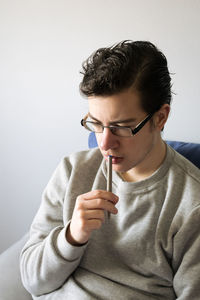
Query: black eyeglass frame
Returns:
{"type": "Point", "coordinates": [133, 131]}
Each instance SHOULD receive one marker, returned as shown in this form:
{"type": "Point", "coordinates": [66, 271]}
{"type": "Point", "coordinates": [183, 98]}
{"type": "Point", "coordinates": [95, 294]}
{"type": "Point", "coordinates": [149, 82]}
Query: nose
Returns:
{"type": "Point", "coordinates": [108, 140]}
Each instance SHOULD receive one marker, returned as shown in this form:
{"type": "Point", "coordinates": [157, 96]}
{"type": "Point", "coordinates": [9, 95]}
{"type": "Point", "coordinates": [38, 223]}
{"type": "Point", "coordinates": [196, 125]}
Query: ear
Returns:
{"type": "Point", "coordinates": [161, 116]}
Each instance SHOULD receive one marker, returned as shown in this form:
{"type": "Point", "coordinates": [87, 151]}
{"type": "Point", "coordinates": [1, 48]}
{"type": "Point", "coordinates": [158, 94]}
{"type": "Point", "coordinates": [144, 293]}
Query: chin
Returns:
{"type": "Point", "coordinates": [120, 169]}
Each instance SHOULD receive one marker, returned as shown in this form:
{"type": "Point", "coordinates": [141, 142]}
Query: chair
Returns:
{"type": "Point", "coordinates": [11, 287]}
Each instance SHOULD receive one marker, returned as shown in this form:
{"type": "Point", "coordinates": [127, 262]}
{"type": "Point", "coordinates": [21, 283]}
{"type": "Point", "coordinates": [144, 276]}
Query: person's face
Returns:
{"type": "Point", "coordinates": [127, 152]}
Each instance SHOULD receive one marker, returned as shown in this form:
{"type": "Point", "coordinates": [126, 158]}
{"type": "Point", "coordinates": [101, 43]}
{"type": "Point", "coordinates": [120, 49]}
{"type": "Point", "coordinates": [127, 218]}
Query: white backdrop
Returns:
{"type": "Point", "coordinates": [42, 46]}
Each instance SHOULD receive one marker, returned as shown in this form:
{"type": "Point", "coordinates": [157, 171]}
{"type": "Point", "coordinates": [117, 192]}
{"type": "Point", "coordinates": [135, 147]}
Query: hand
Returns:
{"type": "Point", "coordinates": [89, 214]}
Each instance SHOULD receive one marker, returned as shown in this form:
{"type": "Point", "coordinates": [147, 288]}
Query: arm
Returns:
{"type": "Point", "coordinates": [186, 258]}
{"type": "Point", "coordinates": [56, 246]}
{"type": "Point", "coordinates": [47, 251]}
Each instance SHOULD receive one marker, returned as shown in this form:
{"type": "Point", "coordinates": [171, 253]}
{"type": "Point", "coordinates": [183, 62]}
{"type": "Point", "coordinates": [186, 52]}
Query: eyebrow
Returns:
{"type": "Point", "coordinates": [115, 122]}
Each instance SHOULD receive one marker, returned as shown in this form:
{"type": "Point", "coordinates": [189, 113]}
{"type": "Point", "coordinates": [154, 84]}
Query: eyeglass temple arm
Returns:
{"type": "Point", "coordinates": [135, 130]}
{"type": "Point", "coordinates": [84, 119]}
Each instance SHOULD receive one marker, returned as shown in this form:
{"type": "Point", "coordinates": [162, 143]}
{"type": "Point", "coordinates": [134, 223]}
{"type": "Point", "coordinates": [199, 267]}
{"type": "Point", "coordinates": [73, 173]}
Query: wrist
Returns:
{"type": "Point", "coordinates": [71, 240]}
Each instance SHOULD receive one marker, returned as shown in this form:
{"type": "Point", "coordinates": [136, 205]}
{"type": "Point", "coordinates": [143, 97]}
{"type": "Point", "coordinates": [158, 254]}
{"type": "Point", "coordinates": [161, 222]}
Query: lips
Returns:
{"type": "Point", "coordinates": [115, 159]}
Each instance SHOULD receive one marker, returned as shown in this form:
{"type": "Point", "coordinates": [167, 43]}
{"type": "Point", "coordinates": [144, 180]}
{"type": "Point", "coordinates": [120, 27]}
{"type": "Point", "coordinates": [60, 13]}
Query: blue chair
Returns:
{"type": "Point", "coordinates": [191, 151]}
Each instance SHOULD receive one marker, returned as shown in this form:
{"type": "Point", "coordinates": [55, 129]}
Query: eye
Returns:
{"type": "Point", "coordinates": [130, 125]}
{"type": "Point", "coordinates": [120, 131]}
{"type": "Point", "coordinates": [97, 127]}
{"type": "Point", "coordinates": [114, 129]}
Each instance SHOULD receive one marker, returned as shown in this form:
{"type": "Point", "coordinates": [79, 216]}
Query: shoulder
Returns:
{"type": "Point", "coordinates": [184, 167]}
{"type": "Point", "coordinates": [81, 162]}
{"type": "Point", "coordinates": [75, 168]}
{"type": "Point", "coordinates": [86, 156]}
{"type": "Point", "coordinates": [92, 157]}
{"type": "Point", "coordinates": [76, 161]}
{"type": "Point", "coordinates": [84, 169]}
{"type": "Point", "coordinates": [184, 181]}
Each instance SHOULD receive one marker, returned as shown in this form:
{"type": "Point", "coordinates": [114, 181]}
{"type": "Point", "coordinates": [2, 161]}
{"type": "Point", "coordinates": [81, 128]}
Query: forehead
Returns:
{"type": "Point", "coordinates": [119, 106]}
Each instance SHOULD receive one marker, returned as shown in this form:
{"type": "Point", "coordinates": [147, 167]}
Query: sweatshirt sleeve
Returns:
{"type": "Point", "coordinates": [47, 259]}
{"type": "Point", "coordinates": [186, 258]}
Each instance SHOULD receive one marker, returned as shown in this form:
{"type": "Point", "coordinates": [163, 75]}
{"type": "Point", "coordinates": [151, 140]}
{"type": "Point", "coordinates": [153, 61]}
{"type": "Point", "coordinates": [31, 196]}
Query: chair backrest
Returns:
{"type": "Point", "coordinates": [189, 150]}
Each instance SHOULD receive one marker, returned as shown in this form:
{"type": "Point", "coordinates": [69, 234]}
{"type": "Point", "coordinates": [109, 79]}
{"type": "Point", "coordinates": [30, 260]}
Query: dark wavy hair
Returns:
{"type": "Point", "coordinates": [139, 64]}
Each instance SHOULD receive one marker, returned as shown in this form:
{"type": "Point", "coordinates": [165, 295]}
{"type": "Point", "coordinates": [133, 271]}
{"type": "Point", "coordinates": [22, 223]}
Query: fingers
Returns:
{"type": "Point", "coordinates": [92, 214]}
{"type": "Point", "coordinates": [94, 205]}
{"type": "Point", "coordinates": [89, 214]}
{"type": "Point", "coordinates": [97, 200]}
{"type": "Point", "coordinates": [101, 194]}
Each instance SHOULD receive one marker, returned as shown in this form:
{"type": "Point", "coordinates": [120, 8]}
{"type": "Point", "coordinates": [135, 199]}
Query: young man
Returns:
{"type": "Point", "coordinates": [149, 247]}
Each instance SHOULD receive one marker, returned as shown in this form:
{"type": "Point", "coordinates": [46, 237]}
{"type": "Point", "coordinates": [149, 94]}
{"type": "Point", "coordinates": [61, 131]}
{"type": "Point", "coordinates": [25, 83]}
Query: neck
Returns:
{"type": "Point", "coordinates": [149, 165]}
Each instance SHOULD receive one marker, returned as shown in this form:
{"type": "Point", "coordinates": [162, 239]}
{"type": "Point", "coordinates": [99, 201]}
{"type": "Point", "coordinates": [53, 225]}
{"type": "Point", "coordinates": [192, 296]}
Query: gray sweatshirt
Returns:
{"type": "Point", "coordinates": [149, 250]}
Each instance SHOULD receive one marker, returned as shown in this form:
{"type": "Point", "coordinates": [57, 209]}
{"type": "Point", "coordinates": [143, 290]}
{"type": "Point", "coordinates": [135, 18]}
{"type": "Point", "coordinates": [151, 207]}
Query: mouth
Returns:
{"type": "Point", "coordinates": [115, 159]}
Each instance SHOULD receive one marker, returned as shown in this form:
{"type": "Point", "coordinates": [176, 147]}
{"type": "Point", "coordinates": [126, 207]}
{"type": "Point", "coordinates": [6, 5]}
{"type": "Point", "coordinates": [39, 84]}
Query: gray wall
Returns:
{"type": "Point", "coordinates": [42, 46]}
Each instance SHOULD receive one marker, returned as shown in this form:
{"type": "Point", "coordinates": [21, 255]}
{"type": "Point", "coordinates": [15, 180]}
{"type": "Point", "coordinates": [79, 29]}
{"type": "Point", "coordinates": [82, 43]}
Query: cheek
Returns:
{"type": "Point", "coordinates": [137, 144]}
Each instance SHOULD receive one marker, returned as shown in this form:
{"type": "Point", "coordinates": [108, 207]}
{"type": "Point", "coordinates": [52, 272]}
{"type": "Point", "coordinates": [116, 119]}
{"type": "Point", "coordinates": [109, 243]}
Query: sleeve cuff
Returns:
{"type": "Point", "coordinates": [66, 250]}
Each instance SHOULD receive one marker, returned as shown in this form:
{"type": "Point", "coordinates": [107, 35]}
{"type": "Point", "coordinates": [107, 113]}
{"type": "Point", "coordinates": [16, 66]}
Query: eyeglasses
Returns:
{"type": "Point", "coordinates": [124, 131]}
